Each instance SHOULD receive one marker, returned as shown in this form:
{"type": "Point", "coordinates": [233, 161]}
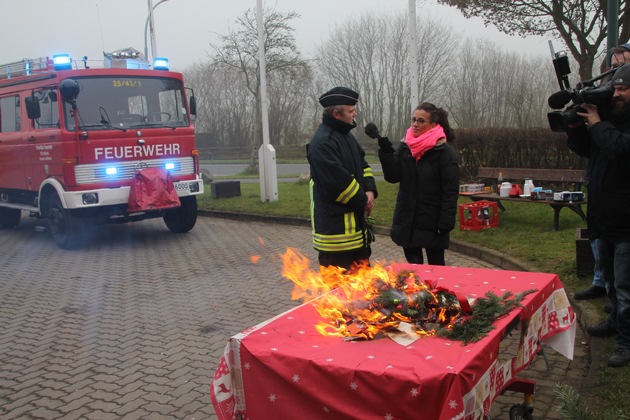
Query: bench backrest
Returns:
{"type": "Point", "coordinates": [550, 175]}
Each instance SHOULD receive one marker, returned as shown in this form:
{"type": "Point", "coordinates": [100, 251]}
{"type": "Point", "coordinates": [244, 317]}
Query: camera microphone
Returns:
{"type": "Point", "coordinates": [559, 99]}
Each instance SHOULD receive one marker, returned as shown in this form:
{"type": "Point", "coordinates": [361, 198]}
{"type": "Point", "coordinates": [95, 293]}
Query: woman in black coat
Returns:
{"type": "Point", "coordinates": [427, 168]}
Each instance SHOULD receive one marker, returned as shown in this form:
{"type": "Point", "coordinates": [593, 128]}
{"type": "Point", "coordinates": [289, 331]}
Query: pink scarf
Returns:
{"type": "Point", "coordinates": [425, 141]}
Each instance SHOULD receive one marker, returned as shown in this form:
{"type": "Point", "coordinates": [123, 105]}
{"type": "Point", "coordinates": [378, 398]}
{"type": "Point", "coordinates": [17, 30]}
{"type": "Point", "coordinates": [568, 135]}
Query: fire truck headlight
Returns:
{"type": "Point", "coordinates": [111, 170]}
{"type": "Point", "coordinates": [62, 62]}
{"type": "Point", "coordinates": [194, 187]}
{"type": "Point", "coordinates": [169, 166]}
{"type": "Point", "coordinates": [160, 63]}
{"type": "Point", "coordinates": [90, 198]}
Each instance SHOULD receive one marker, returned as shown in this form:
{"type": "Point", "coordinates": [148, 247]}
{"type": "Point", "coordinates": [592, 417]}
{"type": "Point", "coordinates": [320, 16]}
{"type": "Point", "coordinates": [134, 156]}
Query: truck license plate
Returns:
{"type": "Point", "coordinates": [180, 186]}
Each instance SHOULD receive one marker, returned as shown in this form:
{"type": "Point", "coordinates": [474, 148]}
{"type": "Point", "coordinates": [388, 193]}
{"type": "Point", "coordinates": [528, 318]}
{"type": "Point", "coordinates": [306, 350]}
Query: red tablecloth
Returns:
{"type": "Point", "coordinates": [284, 369]}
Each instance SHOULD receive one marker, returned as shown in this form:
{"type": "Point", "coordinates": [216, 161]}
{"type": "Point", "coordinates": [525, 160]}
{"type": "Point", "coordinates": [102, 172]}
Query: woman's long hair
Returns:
{"type": "Point", "coordinates": [438, 116]}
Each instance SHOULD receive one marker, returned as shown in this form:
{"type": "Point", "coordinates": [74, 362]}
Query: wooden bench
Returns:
{"type": "Point", "coordinates": [539, 176]}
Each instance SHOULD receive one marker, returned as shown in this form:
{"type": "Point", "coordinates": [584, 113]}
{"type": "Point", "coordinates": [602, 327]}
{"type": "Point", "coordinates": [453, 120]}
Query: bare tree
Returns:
{"type": "Point", "coordinates": [224, 107]}
{"type": "Point", "coordinates": [493, 88]}
{"type": "Point", "coordinates": [239, 50]}
{"type": "Point", "coordinates": [477, 82]}
{"type": "Point", "coordinates": [288, 107]}
{"type": "Point", "coordinates": [581, 24]}
{"type": "Point", "coordinates": [370, 54]}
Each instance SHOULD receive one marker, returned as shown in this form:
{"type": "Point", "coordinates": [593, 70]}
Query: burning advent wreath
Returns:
{"type": "Point", "coordinates": [374, 299]}
{"type": "Point", "coordinates": [429, 308]}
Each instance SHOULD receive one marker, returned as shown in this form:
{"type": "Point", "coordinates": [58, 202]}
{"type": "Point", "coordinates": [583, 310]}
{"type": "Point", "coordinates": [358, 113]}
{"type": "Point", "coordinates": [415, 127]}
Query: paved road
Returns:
{"type": "Point", "coordinates": [132, 326]}
{"type": "Point", "coordinates": [221, 169]}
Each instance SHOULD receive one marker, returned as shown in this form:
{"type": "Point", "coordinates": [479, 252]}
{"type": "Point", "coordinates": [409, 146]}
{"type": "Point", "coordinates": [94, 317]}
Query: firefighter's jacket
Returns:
{"type": "Point", "coordinates": [340, 177]}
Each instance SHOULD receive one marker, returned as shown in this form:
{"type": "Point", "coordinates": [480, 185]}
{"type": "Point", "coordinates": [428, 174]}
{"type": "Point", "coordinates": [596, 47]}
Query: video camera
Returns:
{"type": "Point", "coordinates": [584, 92]}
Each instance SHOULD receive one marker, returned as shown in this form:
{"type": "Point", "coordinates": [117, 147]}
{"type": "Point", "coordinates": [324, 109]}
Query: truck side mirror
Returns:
{"type": "Point", "coordinates": [32, 107]}
{"type": "Point", "coordinates": [193, 105]}
{"type": "Point", "coordinates": [192, 102]}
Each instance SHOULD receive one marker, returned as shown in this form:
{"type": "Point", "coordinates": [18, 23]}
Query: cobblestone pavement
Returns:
{"type": "Point", "coordinates": [132, 325]}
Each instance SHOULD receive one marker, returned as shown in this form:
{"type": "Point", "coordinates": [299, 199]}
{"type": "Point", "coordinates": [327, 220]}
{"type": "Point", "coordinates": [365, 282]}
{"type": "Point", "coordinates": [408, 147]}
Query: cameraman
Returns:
{"type": "Point", "coordinates": [607, 146]}
{"type": "Point", "coordinates": [619, 56]}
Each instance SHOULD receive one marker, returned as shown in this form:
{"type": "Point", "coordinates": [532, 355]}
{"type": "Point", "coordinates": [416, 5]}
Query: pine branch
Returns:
{"type": "Point", "coordinates": [484, 312]}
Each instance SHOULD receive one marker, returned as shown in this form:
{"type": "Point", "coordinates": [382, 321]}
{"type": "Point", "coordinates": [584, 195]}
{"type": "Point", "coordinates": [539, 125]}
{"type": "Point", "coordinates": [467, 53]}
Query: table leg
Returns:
{"type": "Point", "coordinates": [578, 209]}
{"type": "Point", "coordinates": [556, 215]}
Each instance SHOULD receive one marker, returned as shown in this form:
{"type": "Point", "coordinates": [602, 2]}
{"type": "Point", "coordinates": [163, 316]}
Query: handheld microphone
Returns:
{"type": "Point", "coordinates": [559, 99]}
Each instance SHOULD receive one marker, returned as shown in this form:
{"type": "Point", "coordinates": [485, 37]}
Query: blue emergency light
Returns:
{"type": "Point", "coordinates": [169, 166]}
{"type": "Point", "coordinates": [160, 63]}
{"type": "Point", "coordinates": [111, 170]}
{"type": "Point", "coordinates": [62, 62]}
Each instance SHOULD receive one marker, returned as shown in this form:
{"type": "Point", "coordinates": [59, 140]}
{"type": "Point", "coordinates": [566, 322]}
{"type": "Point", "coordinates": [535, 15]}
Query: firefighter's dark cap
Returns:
{"type": "Point", "coordinates": [339, 96]}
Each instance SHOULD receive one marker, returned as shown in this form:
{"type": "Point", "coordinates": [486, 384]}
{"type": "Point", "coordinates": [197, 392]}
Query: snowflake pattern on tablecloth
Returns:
{"type": "Point", "coordinates": [222, 369]}
{"type": "Point", "coordinates": [553, 321]}
{"type": "Point", "coordinates": [493, 378]}
{"type": "Point", "coordinates": [499, 381]}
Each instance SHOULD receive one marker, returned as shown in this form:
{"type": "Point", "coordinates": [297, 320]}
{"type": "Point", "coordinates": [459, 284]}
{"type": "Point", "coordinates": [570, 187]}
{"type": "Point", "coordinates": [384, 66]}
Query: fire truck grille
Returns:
{"type": "Point", "coordinates": [118, 171]}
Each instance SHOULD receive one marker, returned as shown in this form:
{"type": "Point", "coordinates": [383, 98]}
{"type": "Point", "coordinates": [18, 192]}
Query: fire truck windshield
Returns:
{"type": "Point", "coordinates": [128, 102]}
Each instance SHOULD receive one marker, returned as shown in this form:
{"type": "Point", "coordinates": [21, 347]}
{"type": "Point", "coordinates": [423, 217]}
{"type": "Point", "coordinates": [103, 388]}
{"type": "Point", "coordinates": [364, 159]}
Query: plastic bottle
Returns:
{"type": "Point", "coordinates": [528, 187]}
{"type": "Point", "coordinates": [486, 215]}
{"type": "Point", "coordinates": [499, 182]}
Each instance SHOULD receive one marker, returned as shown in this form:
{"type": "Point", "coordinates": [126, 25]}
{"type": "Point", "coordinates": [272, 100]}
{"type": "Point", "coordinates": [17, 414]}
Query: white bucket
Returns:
{"type": "Point", "coordinates": [505, 189]}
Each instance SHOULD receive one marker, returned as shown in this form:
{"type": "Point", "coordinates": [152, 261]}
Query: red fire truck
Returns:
{"type": "Point", "coordinates": [74, 137]}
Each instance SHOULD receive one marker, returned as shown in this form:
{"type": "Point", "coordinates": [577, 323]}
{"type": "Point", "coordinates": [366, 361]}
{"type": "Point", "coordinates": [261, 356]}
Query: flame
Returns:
{"type": "Point", "coordinates": [368, 299]}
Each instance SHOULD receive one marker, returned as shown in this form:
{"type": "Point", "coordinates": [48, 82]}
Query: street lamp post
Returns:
{"type": "Point", "coordinates": [413, 55]}
{"type": "Point", "coordinates": [266, 152]}
{"type": "Point", "coordinates": [146, 26]}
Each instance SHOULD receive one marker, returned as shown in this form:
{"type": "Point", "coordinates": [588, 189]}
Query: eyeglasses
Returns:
{"type": "Point", "coordinates": [418, 120]}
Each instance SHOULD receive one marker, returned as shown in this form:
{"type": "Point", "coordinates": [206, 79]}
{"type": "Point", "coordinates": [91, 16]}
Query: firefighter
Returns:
{"type": "Point", "coordinates": [342, 186]}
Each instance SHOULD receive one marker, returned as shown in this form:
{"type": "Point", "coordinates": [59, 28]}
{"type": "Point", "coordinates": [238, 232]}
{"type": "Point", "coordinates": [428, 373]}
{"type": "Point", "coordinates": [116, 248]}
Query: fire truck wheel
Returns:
{"type": "Point", "coordinates": [9, 218]}
{"type": "Point", "coordinates": [183, 218]}
{"type": "Point", "coordinates": [64, 227]}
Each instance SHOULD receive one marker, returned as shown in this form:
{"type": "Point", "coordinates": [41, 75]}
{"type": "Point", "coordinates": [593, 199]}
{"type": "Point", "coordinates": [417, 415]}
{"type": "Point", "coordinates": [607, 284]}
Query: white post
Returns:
{"type": "Point", "coordinates": [152, 31]}
{"type": "Point", "coordinates": [266, 153]}
{"type": "Point", "coordinates": [413, 55]}
{"type": "Point", "coordinates": [146, 26]}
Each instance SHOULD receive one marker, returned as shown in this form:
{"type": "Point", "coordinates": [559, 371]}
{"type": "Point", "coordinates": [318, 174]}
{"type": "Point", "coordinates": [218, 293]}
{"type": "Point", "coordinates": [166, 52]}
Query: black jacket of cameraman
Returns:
{"type": "Point", "coordinates": [606, 144]}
